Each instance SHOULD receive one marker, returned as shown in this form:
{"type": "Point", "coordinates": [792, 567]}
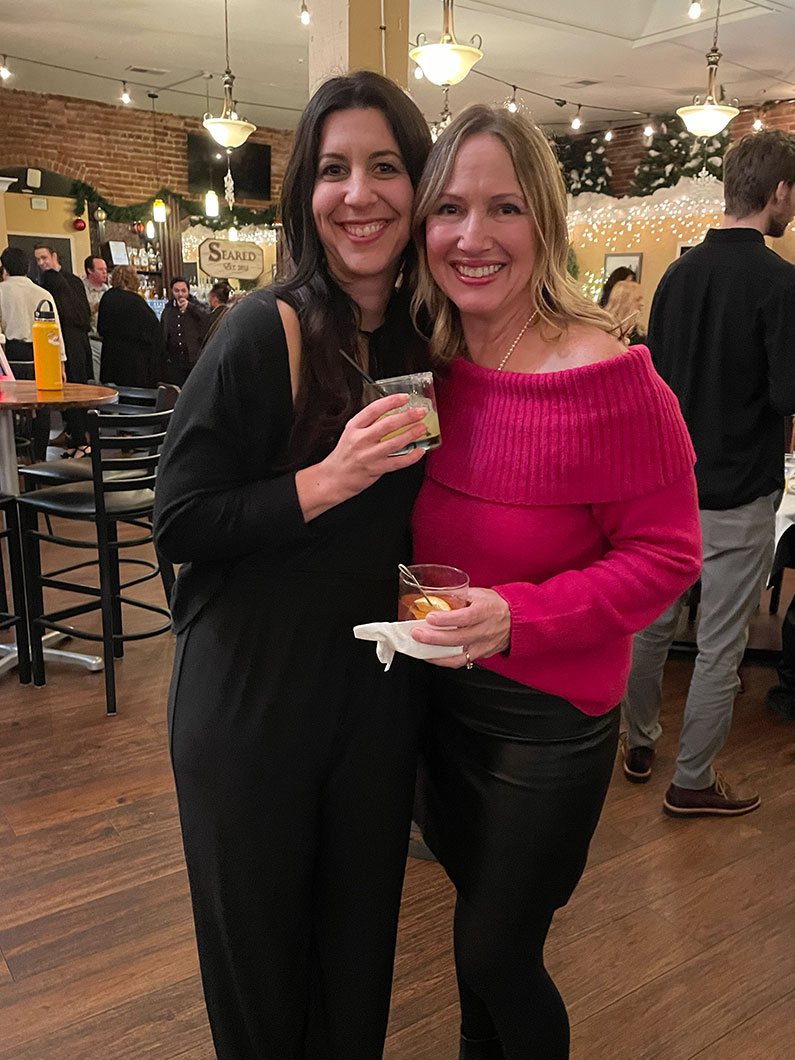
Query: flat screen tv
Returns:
{"type": "Point", "coordinates": [251, 168]}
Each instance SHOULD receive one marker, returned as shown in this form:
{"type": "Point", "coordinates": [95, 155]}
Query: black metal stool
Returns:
{"type": "Point", "coordinates": [16, 619]}
{"type": "Point", "coordinates": [105, 501]}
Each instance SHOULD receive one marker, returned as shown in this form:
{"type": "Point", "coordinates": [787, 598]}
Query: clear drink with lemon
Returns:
{"type": "Point", "coordinates": [419, 387]}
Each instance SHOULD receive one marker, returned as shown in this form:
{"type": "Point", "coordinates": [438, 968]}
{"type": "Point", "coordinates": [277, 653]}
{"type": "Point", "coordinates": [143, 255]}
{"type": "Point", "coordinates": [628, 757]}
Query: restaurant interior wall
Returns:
{"type": "Point", "coordinates": [658, 253]}
{"type": "Point", "coordinates": [113, 147]}
{"type": "Point", "coordinates": [18, 216]}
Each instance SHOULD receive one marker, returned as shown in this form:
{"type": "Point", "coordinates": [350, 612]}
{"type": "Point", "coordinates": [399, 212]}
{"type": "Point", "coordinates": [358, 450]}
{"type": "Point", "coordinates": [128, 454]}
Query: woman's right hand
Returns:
{"type": "Point", "coordinates": [361, 455]}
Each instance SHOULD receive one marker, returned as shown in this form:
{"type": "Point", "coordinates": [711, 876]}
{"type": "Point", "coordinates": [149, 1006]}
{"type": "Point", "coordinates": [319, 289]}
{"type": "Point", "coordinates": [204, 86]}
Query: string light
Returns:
{"type": "Point", "coordinates": [758, 124]}
{"type": "Point", "coordinates": [5, 73]}
{"type": "Point", "coordinates": [650, 129]}
{"type": "Point", "coordinates": [306, 18]}
{"type": "Point", "coordinates": [511, 104]}
{"type": "Point", "coordinates": [576, 121]}
{"type": "Point", "coordinates": [694, 11]}
{"type": "Point", "coordinates": [126, 98]}
{"type": "Point", "coordinates": [609, 134]}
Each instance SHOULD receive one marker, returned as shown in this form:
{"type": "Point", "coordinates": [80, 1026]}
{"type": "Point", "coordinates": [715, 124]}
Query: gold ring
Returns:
{"type": "Point", "coordinates": [469, 660]}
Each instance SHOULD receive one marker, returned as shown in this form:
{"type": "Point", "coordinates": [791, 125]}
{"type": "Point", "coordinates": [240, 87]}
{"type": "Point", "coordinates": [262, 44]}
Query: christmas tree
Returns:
{"type": "Point", "coordinates": [666, 157]}
{"type": "Point", "coordinates": [570, 156]}
{"type": "Point", "coordinates": [674, 153]}
{"type": "Point", "coordinates": [594, 172]}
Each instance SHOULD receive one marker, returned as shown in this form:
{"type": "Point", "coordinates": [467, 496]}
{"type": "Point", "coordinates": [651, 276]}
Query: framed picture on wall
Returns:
{"type": "Point", "coordinates": [628, 261]}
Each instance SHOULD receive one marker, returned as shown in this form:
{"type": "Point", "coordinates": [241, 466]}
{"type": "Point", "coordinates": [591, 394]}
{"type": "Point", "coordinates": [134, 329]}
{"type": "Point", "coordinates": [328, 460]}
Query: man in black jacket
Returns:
{"type": "Point", "coordinates": [722, 335]}
{"type": "Point", "coordinates": [185, 325]}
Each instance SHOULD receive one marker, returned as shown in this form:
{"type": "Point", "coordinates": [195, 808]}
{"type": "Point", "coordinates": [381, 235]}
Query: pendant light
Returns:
{"type": "Point", "coordinates": [229, 130]}
{"type": "Point", "coordinates": [158, 206]}
{"type": "Point", "coordinates": [710, 117]}
{"type": "Point", "coordinates": [211, 205]}
{"type": "Point", "coordinates": [159, 211]}
{"type": "Point", "coordinates": [448, 62]}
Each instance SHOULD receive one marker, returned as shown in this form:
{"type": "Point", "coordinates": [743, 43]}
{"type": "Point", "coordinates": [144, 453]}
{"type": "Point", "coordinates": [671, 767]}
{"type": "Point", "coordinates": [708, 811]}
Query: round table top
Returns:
{"type": "Point", "coordinates": [22, 394]}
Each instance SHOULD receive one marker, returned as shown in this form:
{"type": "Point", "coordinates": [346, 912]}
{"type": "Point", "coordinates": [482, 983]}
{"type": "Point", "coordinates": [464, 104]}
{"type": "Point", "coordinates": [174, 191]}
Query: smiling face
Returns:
{"type": "Point", "coordinates": [45, 260]}
{"type": "Point", "coordinates": [479, 235]}
{"type": "Point", "coordinates": [362, 199]}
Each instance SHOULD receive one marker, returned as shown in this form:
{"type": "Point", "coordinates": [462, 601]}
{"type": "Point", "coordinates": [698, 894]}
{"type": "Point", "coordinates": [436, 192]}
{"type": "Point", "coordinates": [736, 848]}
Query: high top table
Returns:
{"type": "Point", "coordinates": [22, 394]}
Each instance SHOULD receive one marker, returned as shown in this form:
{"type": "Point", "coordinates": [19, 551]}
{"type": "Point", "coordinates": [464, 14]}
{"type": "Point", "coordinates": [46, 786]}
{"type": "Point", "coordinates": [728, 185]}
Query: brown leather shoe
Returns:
{"type": "Point", "coordinates": [718, 800]}
{"type": "Point", "coordinates": [637, 761]}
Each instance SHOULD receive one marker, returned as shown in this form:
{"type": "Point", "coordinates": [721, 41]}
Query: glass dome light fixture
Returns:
{"type": "Point", "coordinates": [710, 117]}
{"type": "Point", "coordinates": [448, 62]}
{"type": "Point", "coordinates": [229, 130]}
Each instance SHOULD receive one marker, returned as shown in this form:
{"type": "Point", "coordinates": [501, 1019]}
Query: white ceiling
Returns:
{"type": "Point", "coordinates": [644, 55]}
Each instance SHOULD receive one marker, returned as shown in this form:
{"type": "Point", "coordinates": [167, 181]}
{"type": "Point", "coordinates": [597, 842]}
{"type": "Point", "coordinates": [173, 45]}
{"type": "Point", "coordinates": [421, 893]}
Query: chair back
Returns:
{"type": "Point", "coordinates": [114, 447]}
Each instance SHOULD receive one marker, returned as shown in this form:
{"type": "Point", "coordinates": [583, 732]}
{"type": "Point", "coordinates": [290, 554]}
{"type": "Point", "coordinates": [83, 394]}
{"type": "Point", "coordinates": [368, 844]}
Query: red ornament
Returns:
{"type": "Point", "coordinates": [139, 228]}
{"type": "Point", "coordinates": [79, 224]}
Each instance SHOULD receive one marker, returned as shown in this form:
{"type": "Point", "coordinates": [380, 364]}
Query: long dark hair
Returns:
{"type": "Point", "coordinates": [329, 391]}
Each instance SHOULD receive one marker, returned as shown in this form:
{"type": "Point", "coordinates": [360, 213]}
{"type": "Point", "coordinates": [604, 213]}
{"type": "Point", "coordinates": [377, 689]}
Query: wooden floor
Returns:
{"type": "Point", "coordinates": [677, 945]}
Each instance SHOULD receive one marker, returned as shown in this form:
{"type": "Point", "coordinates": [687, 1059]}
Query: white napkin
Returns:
{"type": "Point", "coordinates": [396, 636]}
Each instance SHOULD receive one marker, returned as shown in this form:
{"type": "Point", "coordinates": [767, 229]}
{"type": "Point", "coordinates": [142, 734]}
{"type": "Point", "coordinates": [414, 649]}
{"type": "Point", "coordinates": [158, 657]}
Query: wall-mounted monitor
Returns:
{"type": "Point", "coordinates": [251, 168]}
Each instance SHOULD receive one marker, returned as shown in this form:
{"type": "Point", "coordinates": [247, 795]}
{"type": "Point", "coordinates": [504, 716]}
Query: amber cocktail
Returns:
{"type": "Point", "coordinates": [442, 589]}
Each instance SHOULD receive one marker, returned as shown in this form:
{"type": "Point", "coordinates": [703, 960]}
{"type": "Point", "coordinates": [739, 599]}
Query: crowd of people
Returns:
{"type": "Point", "coordinates": [589, 477]}
{"type": "Point", "coordinates": [109, 333]}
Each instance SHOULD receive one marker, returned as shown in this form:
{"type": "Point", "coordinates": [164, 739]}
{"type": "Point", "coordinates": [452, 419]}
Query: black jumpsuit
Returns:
{"type": "Point", "coordinates": [293, 752]}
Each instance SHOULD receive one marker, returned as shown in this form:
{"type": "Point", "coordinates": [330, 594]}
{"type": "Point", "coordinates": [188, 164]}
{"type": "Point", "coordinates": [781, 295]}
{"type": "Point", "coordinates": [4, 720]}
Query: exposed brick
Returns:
{"type": "Point", "coordinates": [112, 147]}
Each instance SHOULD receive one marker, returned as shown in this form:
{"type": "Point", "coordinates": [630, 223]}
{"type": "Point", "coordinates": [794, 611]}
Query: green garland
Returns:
{"type": "Point", "coordinates": [84, 194]}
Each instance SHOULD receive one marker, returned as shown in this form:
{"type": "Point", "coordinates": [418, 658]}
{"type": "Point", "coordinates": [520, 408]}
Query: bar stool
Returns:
{"type": "Point", "coordinates": [16, 619]}
{"type": "Point", "coordinates": [105, 501]}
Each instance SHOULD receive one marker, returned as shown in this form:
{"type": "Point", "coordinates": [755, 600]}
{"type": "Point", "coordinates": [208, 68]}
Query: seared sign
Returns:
{"type": "Point", "coordinates": [224, 258]}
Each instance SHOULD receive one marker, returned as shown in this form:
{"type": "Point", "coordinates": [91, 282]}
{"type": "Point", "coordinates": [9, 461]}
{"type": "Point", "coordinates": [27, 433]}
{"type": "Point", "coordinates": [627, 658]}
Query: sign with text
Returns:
{"type": "Point", "coordinates": [226, 258]}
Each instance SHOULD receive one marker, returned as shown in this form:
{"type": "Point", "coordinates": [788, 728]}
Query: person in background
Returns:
{"type": "Point", "coordinates": [294, 753]}
{"type": "Point", "coordinates": [722, 335]}
{"type": "Point", "coordinates": [625, 305]}
{"type": "Point", "coordinates": [616, 276]}
{"type": "Point", "coordinates": [218, 299]}
{"type": "Point", "coordinates": [19, 298]}
{"type": "Point", "coordinates": [564, 487]}
{"type": "Point", "coordinates": [184, 323]}
{"type": "Point", "coordinates": [96, 284]}
{"type": "Point", "coordinates": [132, 341]}
{"type": "Point", "coordinates": [70, 299]}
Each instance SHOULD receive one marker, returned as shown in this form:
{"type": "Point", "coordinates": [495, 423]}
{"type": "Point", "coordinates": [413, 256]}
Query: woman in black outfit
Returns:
{"type": "Point", "coordinates": [293, 752]}
{"type": "Point", "coordinates": [132, 342]}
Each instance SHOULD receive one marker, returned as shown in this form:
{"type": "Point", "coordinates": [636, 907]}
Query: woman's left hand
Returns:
{"type": "Point", "coordinates": [484, 628]}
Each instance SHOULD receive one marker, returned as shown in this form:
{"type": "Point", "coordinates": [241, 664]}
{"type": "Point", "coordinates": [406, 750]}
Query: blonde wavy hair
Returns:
{"type": "Point", "coordinates": [551, 289]}
{"type": "Point", "coordinates": [126, 277]}
{"type": "Point", "coordinates": [625, 304]}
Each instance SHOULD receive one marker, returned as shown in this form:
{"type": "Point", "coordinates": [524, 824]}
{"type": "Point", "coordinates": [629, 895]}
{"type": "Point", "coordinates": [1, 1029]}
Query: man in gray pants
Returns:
{"type": "Point", "coordinates": [722, 335]}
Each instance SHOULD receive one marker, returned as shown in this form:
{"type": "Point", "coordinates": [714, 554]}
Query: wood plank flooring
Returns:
{"type": "Point", "coordinates": [678, 945]}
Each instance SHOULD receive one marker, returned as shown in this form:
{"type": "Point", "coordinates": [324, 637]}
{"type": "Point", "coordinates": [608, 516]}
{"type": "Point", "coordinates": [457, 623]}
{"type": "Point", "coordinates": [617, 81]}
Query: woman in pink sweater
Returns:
{"type": "Point", "coordinates": [564, 487]}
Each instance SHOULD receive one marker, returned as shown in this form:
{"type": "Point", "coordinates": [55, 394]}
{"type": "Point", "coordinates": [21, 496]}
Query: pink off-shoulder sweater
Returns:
{"type": "Point", "coordinates": [572, 494]}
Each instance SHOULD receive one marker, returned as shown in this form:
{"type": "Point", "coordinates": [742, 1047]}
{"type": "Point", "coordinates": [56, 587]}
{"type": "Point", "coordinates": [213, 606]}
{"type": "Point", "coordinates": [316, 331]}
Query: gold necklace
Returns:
{"type": "Point", "coordinates": [515, 342]}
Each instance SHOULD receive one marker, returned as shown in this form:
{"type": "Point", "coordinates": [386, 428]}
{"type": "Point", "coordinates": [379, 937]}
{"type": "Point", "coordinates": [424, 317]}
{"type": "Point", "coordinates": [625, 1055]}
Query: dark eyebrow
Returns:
{"type": "Point", "coordinates": [493, 198]}
{"type": "Point", "coordinates": [336, 156]}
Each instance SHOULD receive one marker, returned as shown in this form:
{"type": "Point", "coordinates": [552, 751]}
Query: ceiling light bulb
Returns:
{"type": "Point", "coordinates": [5, 73]}
{"type": "Point", "coordinates": [649, 130]}
{"type": "Point", "coordinates": [126, 98]}
{"type": "Point", "coordinates": [305, 16]}
{"type": "Point", "coordinates": [609, 135]}
{"type": "Point", "coordinates": [418, 73]}
{"type": "Point", "coordinates": [512, 106]}
{"type": "Point", "coordinates": [694, 11]}
{"type": "Point", "coordinates": [758, 125]}
{"type": "Point", "coordinates": [448, 62]}
{"type": "Point", "coordinates": [576, 121]}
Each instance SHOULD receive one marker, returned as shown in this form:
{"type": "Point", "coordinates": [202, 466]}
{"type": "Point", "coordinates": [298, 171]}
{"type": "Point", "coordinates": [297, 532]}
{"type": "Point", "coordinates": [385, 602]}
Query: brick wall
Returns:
{"type": "Point", "coordinates": [112, 147]}
{"type": "Point", "coordinates": [627, 147]}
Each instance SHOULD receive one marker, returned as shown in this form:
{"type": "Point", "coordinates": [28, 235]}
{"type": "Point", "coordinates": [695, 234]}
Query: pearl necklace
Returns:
{"type": "Point", "coordinates": [515, 342]}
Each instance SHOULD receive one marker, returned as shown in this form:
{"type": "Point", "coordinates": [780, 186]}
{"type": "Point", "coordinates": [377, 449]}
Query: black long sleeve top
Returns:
{"type": "Point", "coordinates": [722, 335]}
